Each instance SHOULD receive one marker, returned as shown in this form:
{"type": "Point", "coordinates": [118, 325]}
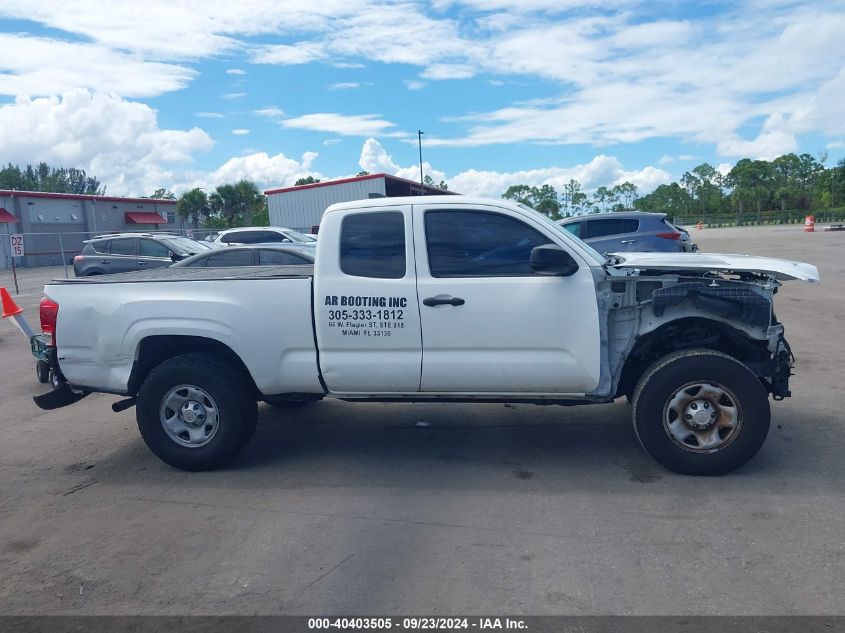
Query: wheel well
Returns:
{"type": "Point", "coordinates": [154, 350]}
{"type": "Point", "coordinates": [693, 332]}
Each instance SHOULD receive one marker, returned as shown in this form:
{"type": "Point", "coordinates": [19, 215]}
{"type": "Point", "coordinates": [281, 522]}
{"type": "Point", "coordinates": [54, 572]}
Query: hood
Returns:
{"type": "Point", "coordinates": [782, 269]}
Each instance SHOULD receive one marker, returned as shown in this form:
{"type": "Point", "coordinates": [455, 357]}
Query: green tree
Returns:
{"type": "Point", "coordinates": [521, 194]}
{"type": "Point", "coordinates": [193, 205]}
{"type": "Point", "coordinates": [163, 194]}
{"type": "Point", "coordinates": [308, 180]}
{"type": "Point", "coordinates": [601, 197]}
{"type": "Point", "coordinates": [43, 177]}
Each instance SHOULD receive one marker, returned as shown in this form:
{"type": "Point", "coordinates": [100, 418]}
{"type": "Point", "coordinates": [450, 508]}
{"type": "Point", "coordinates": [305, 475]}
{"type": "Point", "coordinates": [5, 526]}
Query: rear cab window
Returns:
{"type": "Point", "coordinates": [241, 257]}
{"type": "Point", "coordinates": [373, 245]}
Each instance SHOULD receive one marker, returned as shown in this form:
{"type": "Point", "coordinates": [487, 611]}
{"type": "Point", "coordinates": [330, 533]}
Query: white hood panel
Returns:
{"type": "Point", "coordinates": [782, 269]}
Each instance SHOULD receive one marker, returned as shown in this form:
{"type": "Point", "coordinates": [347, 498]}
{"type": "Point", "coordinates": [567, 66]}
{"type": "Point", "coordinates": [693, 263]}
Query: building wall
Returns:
{"type": "Point", "coordinates": [43, 220]}
{"type": "Point", "coordinates": [304, 208]}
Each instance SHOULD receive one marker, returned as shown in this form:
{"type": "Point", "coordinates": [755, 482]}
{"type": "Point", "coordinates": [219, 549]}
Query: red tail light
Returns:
{"type": "Point", "coordinates": [670, 236]}
{"type": "Point", "coordinates": [48, 311]}
{"type": "Point", "coordinates": [78, 258]}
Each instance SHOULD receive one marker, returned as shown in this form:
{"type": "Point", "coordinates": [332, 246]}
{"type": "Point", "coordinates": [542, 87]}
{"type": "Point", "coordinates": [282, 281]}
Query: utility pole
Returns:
{"type": "Point", "coordinates": [419, 140]}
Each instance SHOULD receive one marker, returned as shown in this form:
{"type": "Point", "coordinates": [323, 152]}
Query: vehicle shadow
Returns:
{"type": "Point", "coordinates": [489, 447]}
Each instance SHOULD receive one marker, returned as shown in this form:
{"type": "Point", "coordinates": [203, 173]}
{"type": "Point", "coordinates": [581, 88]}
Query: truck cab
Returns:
{"type": "Point", "coordinates": [439, 297]}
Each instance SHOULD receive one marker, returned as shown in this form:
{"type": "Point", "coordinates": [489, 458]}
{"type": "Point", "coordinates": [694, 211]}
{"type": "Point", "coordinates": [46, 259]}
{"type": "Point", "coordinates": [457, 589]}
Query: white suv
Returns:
{"type": "Point", "coordinates": [262, 235]}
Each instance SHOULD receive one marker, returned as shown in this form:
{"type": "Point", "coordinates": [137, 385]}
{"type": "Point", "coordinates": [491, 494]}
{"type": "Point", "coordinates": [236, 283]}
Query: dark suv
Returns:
{"type": "Point", "coordinates": [122, 253]}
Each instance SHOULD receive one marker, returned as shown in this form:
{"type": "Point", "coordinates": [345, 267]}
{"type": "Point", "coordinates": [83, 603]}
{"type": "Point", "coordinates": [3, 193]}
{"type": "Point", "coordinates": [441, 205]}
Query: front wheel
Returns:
{"type": "Point", "coordinates": [195, 411]}
{"type": "Point", "coordinates": [701, 412]}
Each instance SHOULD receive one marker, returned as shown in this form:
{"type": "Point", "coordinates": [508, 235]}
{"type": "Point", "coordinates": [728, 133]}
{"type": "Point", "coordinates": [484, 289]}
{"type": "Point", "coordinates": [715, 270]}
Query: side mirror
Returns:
{"type": "Point", "coordinates": [175, 257]}
{"type": "Point", "coordinates": [551, 259]}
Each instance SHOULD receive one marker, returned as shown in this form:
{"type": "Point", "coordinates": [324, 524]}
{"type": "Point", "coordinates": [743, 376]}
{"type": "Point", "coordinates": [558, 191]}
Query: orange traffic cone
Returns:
{"type": "Point", "coordinates": [10, 308]}
{"type": "Point", "coordinates": [13, 311]}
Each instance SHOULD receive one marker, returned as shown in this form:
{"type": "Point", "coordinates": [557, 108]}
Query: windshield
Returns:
{"type": "Point", "coordinates": [184, 246]}
{"type": "Point", "coordinates": [601, 259]}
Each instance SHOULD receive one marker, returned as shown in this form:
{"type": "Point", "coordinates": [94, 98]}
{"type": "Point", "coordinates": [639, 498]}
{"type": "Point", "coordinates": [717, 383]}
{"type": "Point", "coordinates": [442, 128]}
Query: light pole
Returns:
{"type": "Point", "coordinates": [419, 141]}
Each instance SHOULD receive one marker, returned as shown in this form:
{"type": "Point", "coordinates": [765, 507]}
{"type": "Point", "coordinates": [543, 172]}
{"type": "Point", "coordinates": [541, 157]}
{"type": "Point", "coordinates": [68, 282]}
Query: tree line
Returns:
{"type": "Point", "coordinates": [43, 177]}
{"type": "Point", "coordinates": [572, 200]}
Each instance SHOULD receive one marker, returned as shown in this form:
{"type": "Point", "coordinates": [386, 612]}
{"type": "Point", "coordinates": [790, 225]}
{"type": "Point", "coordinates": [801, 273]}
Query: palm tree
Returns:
{"type": "Point", "coordinates": [193, 204]}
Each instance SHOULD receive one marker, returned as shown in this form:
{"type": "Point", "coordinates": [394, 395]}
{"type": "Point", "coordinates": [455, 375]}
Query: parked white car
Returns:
{"type": "Point", "coordinates": [262, 235]}
{"type": "Point", "coordinates": [434, 299]}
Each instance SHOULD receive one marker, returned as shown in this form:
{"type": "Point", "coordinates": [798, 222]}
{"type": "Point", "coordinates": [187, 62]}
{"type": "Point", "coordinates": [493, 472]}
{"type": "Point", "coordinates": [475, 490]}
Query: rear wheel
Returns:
{"type": "Point", "coordinates": [700, 412]}
{"type": "Point", "coordinates": [196, 412]}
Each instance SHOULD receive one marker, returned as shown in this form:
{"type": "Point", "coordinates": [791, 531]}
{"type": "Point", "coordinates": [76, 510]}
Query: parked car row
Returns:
{"type": "Point", "coordinates": [268, 245]}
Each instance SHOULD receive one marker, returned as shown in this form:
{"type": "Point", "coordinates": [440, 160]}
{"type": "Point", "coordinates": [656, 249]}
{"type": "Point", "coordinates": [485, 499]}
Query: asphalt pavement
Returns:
{"type": "Point", "coordinates": [340, 508]}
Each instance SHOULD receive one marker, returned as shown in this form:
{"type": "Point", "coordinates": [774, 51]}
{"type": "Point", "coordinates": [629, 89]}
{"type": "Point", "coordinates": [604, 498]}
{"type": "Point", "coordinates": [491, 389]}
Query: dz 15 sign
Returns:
{"type": "Point", "coordinates": [16, 242]}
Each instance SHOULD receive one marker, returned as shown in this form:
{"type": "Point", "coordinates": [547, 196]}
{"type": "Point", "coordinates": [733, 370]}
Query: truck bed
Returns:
{"type": "Point", "coordinates": [301, 271]}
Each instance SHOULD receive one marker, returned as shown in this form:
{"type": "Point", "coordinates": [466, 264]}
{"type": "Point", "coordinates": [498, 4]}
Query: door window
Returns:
{"type": "Point", "coordinates": [574, 228]}
{"type": "Point", "coordinates": [479, 244]}
{"type": "Point", "coordinates": [103, 246]}
{"type": "Point", "coordinates": [125, 246]}
{"type": "Point", "coordinates": [151, 248]}
{"type": "Point", "coordinates": [610, 226]}
{"type": "Point", "coordinates": [268, 258]}
{"type": "Point", "coordinates": [240, 257]}
{"type": "Point", "coordinates": [373, 245]}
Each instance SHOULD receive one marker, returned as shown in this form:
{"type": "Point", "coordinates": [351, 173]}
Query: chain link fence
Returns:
{"type": "Point", "coordinates": [59, 249]}
{"type": "Point", "coordinates": [760, 219]}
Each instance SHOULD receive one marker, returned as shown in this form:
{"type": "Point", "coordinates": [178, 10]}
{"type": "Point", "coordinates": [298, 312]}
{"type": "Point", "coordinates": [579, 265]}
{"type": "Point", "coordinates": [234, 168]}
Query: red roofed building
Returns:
{"type": "Point", "coordinates": [43, 217]}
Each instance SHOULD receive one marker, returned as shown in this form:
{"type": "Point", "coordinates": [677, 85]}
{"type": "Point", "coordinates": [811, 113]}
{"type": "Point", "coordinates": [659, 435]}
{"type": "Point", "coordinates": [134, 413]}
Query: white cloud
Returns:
{"type": "Point", "coordinates": [332, 141]}
{"type": "Point", "coordinates": [601, 171]}
{"type": "Point", "coordinates": [348, 85]}
{"type": "Point", "coordinates": [265, 170]}
{"type": "Point", "coordinates": [449, 71]}
{"type": "Point", "coordinates": [347, 125]}
{"type": "Point", "coordinates": [375, 159]}
{"type": "Point", "coordinates": [118, 141]}
{"type": "Point", "coordinates": [210, 115]}
{"type": "Point", "coordinates": [285, 55]}
{"type": "Point", "coordinates": [414, 84]}
{"type": "Point", "coordinates": [235, 71]}
{"type": "Point", "coordinates": [39, 66]}
{"type": "Point", "coordinates": [272, 112]}
{"type": "Point", "coordinates": [240, 131]}
{"type": "Point", "coordinates": [233, 95]}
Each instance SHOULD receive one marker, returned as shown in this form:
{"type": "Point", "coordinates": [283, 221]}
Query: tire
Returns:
{"type": "Point", "coordinates": [42, 370]}
{"type": "Point", "coordinates": [207, 396]}
{"type": "Point", "coordinates": [700, 412]}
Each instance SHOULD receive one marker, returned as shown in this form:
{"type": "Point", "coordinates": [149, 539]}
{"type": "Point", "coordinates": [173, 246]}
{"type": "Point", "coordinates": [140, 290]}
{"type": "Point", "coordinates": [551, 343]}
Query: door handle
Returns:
{"type": "Point", "coordinates": [443, 300]}
{"type": "Point", "coordinates": [142, 263]}
{"type": "Point", "coordinates": [628, 241]}
{"type": "Point", "coordinates": [105, 261]}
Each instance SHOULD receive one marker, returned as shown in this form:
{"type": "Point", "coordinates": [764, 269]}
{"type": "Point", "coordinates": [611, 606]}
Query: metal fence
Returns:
{"type": "Point", "coordinates": [758, 219]}
{"type": "Point", "coordinates": [59, 249]}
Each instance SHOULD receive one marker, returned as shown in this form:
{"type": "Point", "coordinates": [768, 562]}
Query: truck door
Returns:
{"type": "Point", "coordinates": [365, 302]}
{"type": "Point", "coordinates": [489, 324]}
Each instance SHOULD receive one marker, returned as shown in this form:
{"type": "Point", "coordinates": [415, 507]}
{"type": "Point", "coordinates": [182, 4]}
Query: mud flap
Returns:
{"type": "Point", "coordinates": [61, 397]}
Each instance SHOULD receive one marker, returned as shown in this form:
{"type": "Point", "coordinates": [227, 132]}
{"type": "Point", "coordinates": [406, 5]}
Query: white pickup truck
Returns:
{"type": "Point", "coordinates": [434, 299]}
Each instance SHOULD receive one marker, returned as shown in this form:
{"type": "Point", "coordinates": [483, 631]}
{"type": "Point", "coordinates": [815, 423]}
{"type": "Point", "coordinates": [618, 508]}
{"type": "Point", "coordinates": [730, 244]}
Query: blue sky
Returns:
{"type": "Point", "coordinates": [183, 93]}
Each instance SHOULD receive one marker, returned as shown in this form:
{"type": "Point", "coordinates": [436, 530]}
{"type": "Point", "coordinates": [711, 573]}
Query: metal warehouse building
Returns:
{"type": "Point", "coordinates": [302, 207]}
{"type": "Point", "coordinates": [53, 223]}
